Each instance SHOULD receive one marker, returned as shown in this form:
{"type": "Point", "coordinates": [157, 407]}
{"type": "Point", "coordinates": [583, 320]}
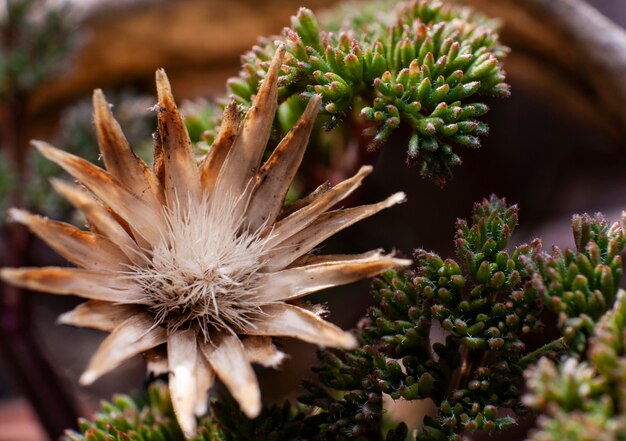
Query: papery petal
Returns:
{"type": "Point", "coordinates": [262, 350]}
{"type": "Point", "coordinates": [99, 218]}
{"type": "Point", "coordinates": [276, 175]}
{"type": "Point", "coordinates": [135, 335]}
{"type": "Point", "coordinates": [314, 259]}
{"type": "Point", "coordinates": [93, 285]}
{"type": "Point", "coordinates": [83, 248]}
{"type": "Point", "coordinates": [227, 357]}
{"type": "Point", "coordinates": [300, 219]}
{"type": "Point", "coordinates": [283, 320]}
{"type": "Point", "coordinates": [205, 378]}
{"type": "Point", "coordinates": [94, 314]}
{"type": "Point", "coordinates": [145, 220]}
{"type": "Point", "coordinates": [212, 164]}
{"type": "Point", "coordinates": [118, 157]}
{"type": "Point", "coordinates": [182, 354]}
{"type": "Point", "coordinates": [287, 210]}
{"type": "Point", "coordinates": [324, 226]}
{"type": "Point", "coordinates": [294, 283]}
{"type": "Point", "coordinates": [245, 155]}
{"type": "Point", "coordinates": [181, 174]}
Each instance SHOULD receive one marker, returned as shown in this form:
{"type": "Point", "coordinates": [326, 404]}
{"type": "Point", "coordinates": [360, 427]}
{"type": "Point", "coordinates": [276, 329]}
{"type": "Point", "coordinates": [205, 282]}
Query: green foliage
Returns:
{"type": "Point", "coordinates": [138, 420]}
{"type": "Point", "coordinates": [486, 303]}
{"type": "Point", "coordinates": [202, 119]}
{"type": "Point", "coordinates": [276, 423]}
{"type": "Point", "coordinates": [421, 65]}
{"type": "Point", "coordinates": [580, 285]}
{"type": "Point", "coordinates": [584, 400]}
{"type": "Point", "coordinates": [484, 309]}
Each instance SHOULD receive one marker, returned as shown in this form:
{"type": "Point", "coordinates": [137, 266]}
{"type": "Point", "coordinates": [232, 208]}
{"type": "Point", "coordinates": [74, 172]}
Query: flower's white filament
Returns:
{"type": "Point", "coordinates": [204, 272]}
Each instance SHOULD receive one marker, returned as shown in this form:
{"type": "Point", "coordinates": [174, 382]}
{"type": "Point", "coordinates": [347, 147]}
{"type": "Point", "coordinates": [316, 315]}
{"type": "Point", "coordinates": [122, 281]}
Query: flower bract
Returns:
{"type": "Point", "coordinates": [197, 264]}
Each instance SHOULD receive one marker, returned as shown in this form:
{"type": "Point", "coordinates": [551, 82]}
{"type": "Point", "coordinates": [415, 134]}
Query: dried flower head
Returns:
{"type": "Point", "coordinates": [201, 259]}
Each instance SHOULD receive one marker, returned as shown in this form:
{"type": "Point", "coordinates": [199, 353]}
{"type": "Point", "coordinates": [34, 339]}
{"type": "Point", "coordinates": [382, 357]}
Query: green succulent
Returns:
{"type": "Point", "coordinates": [421, 65]}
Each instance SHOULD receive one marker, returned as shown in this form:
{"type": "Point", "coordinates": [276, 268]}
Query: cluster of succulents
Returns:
{"type": "Point", "coordinates": [484, 311]}
{"type": "Point", "coordinates": [150, 417]}
{"type": "Point", "coordinates": [580, 285]}
{"type": "Point", "coordinates": [422, 65]}
{"type": "Point", "coordinates": [584, 399]}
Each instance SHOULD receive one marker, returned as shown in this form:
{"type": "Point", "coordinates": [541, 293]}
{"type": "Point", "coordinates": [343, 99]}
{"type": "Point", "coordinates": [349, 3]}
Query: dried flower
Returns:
{"type": "Point", "coordinates": [202, 260]}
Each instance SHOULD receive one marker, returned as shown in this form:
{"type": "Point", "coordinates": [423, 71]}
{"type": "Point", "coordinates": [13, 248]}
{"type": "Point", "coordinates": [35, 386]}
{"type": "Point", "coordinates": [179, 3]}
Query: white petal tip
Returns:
{"type": "Point", "coordinates": [403, 262]}
{"type": "Point", "coordinates": [275, 360]}
{"type": "Point", "coordinates": [65, 318]}
{"type": "Point", "coordinates": [42, 146]}
{"type": "Point", "coordinates": [201, 408]}
{"type": "Point", "coordinates": [99, 101]}
{"type": "Point", "coordinates": [365, 170]}
{"type": "Point", "coordinates": [397, 198]}
{"type": "Point", "coordinates": [188, 431]}
{"type": "Point", "coordinates": [7, 274]}
{"type": "Point", "coordinates": [348, 341]}
{"type": "Point", "coordinates": [18, 215]}
{"type": "Point", "coordinates": [251, 406]}
{"type": "Point", "coordinates": [87, 378]}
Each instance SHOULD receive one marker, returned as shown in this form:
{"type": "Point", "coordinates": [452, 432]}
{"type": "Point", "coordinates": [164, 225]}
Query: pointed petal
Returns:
{"type": "Point", "coordinates": [118, 157]}
{"type": "Point", "coordinates": [93, 285]}
{"type": "Point", "coordinates": [244, 157]}
{"type": "Point", "coordinates": [284, 320]}
{"type": "Point", "coordinates": [135, 335]}
{"type": "Point", "coordinates": [205, 378]}
{"type": "Point", "coordinates": [301, 203]}
{"type": "Point", "coordinates": [227, 357]}
{"type": "Point", "coordinates": [182, 353]}
{"type": "Point", "coordinates": [182, 177]}
{"type": "Point", "coordinates": [261, 350]}
{"type": "Point", "coordinates": [103, 316]}
{"type": "Point", "coordinates": [324, 226]}
{"type": "Point", "coordinates": [300, 219]}
{"type": "Point", "coordinates": [212, 164]}
{"type": "Point", "coordinates": [98, 217]}
{"type": "Point", "coordinates": [83, 248]}
{"type": "Point", "coordinates": [129, 206]}
{"type": "Point", "coordinates": [294, 283]}
{"type": "Point", "coordinates": [313, 259]}
{"type": "Point", "coordinates": [278, 172]}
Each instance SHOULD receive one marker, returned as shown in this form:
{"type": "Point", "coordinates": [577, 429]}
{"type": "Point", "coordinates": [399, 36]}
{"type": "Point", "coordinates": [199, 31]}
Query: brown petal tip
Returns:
{"type": "Point", "coordinates": [164, 89]}
{"type": "Point", "coordinates": [100, 104]}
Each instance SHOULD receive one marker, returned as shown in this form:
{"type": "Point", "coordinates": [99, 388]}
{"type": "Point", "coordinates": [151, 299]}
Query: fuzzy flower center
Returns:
{"type": "Point", "coordinates": [204, 273]}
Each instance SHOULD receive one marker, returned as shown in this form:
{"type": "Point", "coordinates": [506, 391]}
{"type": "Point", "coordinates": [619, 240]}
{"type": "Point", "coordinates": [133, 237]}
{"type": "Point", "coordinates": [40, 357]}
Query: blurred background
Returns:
{"type": "Point", "coordinates": [556, 147]}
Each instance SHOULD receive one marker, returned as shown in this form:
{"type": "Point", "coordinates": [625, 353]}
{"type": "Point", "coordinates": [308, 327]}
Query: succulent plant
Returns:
{"type": "Point", "coordinates": [421, 65]}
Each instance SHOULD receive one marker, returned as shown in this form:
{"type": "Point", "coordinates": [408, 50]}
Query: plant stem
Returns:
{"type": "Point", "coordinates": [555, 345]}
